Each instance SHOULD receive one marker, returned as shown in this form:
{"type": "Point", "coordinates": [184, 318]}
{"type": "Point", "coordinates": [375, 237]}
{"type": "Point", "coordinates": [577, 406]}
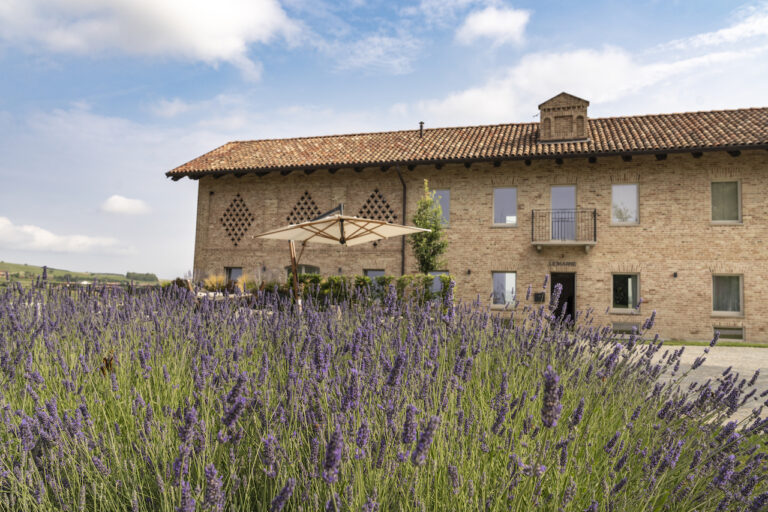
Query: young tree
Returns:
{"type": "Point", "coordinates": [428, 247]}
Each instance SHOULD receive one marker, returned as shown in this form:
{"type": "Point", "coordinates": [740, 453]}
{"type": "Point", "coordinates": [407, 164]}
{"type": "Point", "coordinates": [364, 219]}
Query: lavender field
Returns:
{"type": "Point", "coordinates": [113, 401]}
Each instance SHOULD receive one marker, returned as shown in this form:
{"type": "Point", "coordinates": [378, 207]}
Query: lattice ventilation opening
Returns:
{"type": "Point", "coordinates": [237, 219]}
{"type": "Point", "coordinates": [377, 207]}
{"type": "Point", "coordinates": [304, 210]}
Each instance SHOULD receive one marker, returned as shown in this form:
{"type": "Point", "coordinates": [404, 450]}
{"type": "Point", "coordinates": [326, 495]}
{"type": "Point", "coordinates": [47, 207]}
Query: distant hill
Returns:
{"type": "Point", "coordinates": [22, 272]}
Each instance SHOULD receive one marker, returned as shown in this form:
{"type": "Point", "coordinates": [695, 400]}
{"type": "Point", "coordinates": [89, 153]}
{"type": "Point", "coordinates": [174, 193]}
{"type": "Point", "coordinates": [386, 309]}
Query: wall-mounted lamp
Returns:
{"type": "Point", "coordinates": [469, 271]}
{"type": "Point", "coordinates": [674, 274]}
{"type": "Point", "coordinates": [339, 270]}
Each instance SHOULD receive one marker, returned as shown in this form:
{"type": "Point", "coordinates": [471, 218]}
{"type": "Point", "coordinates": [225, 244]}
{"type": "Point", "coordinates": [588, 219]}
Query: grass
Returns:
{"type": "Point", "coordinates": [35, 271]}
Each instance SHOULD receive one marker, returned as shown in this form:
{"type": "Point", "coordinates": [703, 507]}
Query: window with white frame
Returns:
{"type": "Point", "coordinates": [625, 291]}
{"type": "Point", "coordinates": [726, 201]}
{"type": "Point", "coordinates": [727, 294]}
{"type": "Point", "coordinates": [505, 206]}
{"type": "Point", "coordinates": [624, 204]}
{"type": "Point", "coordinates": [443, 196]}
{"type": "Point", "coordinates": [504, 284]}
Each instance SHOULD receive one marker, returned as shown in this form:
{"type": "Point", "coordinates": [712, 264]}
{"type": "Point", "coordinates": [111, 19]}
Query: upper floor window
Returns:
{"type": "Point", "coordinates": [443, 196]}
{"type": "Point", "coordinates": [624, 204]}
{"type": "Point", "coordinates": [505, 206]}
{"type": "Point", "coordinates": [726, 201]}
{"type": "Point", "coordinates": [726, 294]}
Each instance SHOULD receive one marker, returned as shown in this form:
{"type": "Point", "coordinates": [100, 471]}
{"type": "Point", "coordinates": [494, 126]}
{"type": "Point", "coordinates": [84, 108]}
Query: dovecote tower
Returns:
{"type": "Point", "coordinates": [563, 118]}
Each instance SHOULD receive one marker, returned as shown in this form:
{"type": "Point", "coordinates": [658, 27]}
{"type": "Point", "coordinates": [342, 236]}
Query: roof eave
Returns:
{"type": "Point", "coordinates": [197, 174]}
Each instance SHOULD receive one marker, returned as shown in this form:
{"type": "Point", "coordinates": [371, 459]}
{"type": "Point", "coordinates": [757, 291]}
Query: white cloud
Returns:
{"type": "Point", "coordinates": [379, 53]}
{"type": "Point", "coordinates": [500, 25]}
{"type": "Point", "coordinates": [752, 22]}
{"type": "Point", "coordinates": [34, 238]}
{"type": "Point", "coordinates": [199, 30]}
{"type": "Point", "coordinates": [441, 12]}
{"type": "Point", "coordinates": [123, 205]}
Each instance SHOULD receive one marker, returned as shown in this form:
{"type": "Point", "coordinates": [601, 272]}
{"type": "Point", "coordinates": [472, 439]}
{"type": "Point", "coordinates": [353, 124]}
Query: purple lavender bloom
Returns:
{"type": "Point", "coordinates": [397, 370]}
{"type": "Point", "coordinates": [233, 414]}
{"type": "Point", "coordinates": [282, 498]}
{"type": "Point", "coordinates": [619, 486]}
{"type": "Point", "coordinates": [593, 507]}
{"type": "Point", "coordinates": [269, 456]}
{"type": "Point", "coordinates": [333, 456]}
{"type": "Point", "coordinates": [409, 426]}
{"type": "Point", "coordinates": [754, 378]}
{"type": "Point", "coordinates": [698, 362]}
{"type": "Point", "coordinates": [419, 455]}
{"type": "Point", "coordinates": [453, 474]}
{"type": "Point", "coordinates": [577, 413]}
{"type": "Point", "coordinates": [551, 406]}
{"type": "Point", "coordinates": [725, 472]}
{"type": "Point", "coordinates": [187, 501]}
{"type": "Point", "coordinates": [759, 503]}
{"type": "Point", "coordinates": [714, 339]}
{"type": "Point", "coordinates": [214, 495]}
{"type": "Point", "coordinates": [612, 442]}
{"type": "Point", "coordinates": [363, 435]}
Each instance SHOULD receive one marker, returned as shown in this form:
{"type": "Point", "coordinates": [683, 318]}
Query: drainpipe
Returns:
{"type": "Point", "coordinates": [402, 238]}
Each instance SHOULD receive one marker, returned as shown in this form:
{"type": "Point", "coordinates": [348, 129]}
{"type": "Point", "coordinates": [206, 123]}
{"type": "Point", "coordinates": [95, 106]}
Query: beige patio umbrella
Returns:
{"type": "Point", "coordinates": [336, 229]}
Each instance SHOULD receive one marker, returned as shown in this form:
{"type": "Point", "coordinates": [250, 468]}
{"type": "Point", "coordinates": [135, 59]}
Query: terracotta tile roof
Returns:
{"type": "Point", "coordinates": [692, 131]}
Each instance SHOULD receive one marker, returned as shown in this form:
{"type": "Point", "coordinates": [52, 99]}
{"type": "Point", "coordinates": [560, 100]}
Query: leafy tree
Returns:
{"type": "Point", "coordinates": [428, 247]}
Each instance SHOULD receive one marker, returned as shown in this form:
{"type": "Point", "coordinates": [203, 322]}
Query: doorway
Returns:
{"type": "Point", "coordinates": [568, 295]}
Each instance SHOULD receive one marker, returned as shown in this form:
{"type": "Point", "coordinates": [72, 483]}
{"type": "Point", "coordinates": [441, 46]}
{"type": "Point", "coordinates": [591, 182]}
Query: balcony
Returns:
{"type": "Point", "coordinates": [564, 228]}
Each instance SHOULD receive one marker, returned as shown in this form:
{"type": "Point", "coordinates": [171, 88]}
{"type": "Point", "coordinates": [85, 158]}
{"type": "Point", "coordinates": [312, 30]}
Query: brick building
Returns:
{"type": "Point", "coordinates": [671, 208]}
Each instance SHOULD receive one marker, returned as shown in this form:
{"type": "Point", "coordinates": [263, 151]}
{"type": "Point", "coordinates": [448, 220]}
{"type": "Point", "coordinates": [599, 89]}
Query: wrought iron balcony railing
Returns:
{"type": "Point", "coordinates": [564, 227]}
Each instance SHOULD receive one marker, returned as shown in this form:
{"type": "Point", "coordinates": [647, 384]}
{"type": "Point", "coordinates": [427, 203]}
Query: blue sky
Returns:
{"type": "Point", "coordinates": [99, 98]}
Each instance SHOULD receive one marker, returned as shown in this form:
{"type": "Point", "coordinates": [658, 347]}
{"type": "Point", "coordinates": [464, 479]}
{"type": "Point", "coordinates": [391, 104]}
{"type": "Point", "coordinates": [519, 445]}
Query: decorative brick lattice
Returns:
{"type": "Point", "coordinates": [376, 207]}
{"type": "Point", "coordinates": [305, 210]}
{"type": "Point", "coordinates": [237, 219]}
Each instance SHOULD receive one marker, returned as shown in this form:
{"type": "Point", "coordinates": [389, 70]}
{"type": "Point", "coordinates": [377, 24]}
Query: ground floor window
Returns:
{"type": "Point", "coordinates": [233, 273]}
{"type": "Point", "coordinates": [373, 273]}
{"type": "Point", "coordinates": [625, 291]}
{"type": "Point", "coordinates": [437, 284]}
{"type": "Point", "coordinates": [302, 269]}
{"type": "Point", "coordinates": [504, 284]}
{"type": "Point", "coordinates": [726, 294]}
{"type": "Point", "coordinates": [730, 333]}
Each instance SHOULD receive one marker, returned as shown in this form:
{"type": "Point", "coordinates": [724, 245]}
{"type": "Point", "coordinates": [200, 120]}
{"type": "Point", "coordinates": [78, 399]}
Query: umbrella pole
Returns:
{"type": "Point", "coordinates": [295, 270]}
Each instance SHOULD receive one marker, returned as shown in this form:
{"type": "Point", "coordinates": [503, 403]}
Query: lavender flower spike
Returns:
{"type": "Point", "coordinates": [214, 496]}
{"type": "Point", "coordinates": [551, 406]}
{"type": "Point", "coordinates": [333, 456]}
{"type": "Point", "coordinates": [187, 501]}
{"type": "Point", "coordinates": [280, 500]}
{"type": "Point", "coordinates": [419, 455]}
{"type": "Point", "coordinates": [577, 413]}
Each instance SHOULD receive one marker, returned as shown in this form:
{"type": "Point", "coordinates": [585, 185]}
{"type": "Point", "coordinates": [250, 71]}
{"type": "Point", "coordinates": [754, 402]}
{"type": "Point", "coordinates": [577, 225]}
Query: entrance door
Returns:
{"type": "Point", "coordinates": [568, 295]}
{"type": "Point", "coordinates": [563, 212]}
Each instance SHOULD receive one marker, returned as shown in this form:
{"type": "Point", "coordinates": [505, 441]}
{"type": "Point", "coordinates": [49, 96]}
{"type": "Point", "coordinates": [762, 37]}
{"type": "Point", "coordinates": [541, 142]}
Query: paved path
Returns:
{"type": "Point", "coordinates": [744, 360]}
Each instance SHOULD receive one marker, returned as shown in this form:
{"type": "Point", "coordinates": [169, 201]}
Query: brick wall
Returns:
{"type": "Point", "coordinates": [674, 235]}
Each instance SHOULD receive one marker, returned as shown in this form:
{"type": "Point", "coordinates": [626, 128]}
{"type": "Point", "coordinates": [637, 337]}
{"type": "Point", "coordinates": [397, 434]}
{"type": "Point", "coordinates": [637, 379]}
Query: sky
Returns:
{"type": "Point", "coordinates": [99, 98]}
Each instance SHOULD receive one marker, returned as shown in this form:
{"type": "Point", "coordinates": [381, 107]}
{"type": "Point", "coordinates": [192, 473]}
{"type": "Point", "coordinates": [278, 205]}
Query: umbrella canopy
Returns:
{"type": "Point", "coordinates": [342, 229]}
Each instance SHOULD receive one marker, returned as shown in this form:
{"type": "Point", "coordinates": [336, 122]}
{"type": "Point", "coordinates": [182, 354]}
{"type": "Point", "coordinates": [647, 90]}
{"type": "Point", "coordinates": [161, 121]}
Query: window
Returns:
{"type": "Point", "coordinates": [624, 208]}
{"type": "Point", "coordinates": [503, 287]}
{"type": "Point", "coordinates": [443, 197]}
{"type": "Point", "coordinates": [625, 291]}
{"type": "Point", "coordinates": [437, 284]}
{"type": "Point", "coordinates": [726, 201]}
{"type": "Point", "coordinates": [730, 333]}
{"type": "Point", "coordinates": [373, 273]}
{"type": "Point", "coordinates": [726, 294]}
{"type": "Point", "coordinates": [505, 206]}
{"type": "Point", "coordinates": [302, 269]}
{"type": "Point", "coordinates": [233, 273]}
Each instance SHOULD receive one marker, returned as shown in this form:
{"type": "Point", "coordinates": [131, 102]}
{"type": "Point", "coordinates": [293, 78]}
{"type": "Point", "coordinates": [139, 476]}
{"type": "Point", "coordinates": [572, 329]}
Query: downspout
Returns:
{"type": "Point", "coordinates": [402, 238]}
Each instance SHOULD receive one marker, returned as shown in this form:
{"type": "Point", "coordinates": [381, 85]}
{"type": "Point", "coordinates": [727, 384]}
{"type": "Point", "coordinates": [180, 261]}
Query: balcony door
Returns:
{"type": "Point", "coordinates": [563, 212]}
